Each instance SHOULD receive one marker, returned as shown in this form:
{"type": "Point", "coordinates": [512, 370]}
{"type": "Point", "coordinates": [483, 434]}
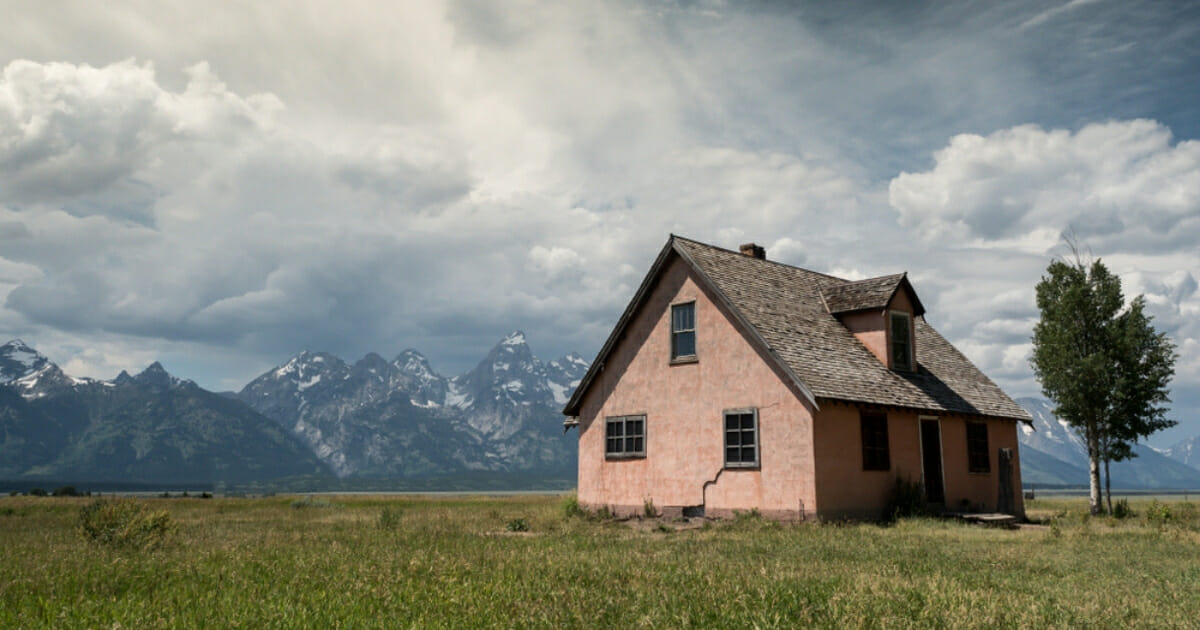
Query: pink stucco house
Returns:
{"type": "Point", "coordinates": [732, 382]}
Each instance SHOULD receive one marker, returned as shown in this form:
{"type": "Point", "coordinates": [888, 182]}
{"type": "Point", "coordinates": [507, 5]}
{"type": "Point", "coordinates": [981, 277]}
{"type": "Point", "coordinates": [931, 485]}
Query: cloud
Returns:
{"type": "Point", "coordinates": [1123, 186]}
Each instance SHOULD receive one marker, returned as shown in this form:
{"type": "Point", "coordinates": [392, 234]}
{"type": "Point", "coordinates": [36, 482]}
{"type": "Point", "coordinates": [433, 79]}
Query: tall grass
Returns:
{"type": "Point", "coordinates": [451, 562]}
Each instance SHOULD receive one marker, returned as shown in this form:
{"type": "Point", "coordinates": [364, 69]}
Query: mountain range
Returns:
{"type": "Point", "coordinates": [1052, 454]}
{"type": "Point", "coordinates": [316, 417]}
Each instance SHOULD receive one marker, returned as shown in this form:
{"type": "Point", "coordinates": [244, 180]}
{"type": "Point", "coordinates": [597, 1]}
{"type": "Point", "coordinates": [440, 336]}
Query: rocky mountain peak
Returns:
{"type": "Point", "coordinates": [155, 375]}
{"type": "Point", "coordinates": [18, 360]}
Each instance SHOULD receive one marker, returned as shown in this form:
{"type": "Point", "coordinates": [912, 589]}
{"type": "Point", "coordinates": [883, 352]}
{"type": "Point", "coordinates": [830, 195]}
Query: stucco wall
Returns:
{"type": "Point", "coordinates": [844, 489]}
{"type": "Point", "coordinates": [684, 407]}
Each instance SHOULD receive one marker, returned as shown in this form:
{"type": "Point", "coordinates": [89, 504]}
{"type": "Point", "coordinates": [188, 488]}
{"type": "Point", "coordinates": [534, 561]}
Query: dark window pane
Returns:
{"type": "Point", "coordinates": [731, 423]}
{"type": "Point", "coordinates": [901, 346]}
{"type": "Point", "coordinates": [637, 445]}
{"type": "Point", "coordinates": [685, 344]}
{"type": "Point", "coordinates": [747, 454]}
{"type": "Point", "coordinates": [747, 421]}
{"type": "Point", "coordinates": [731, 455]}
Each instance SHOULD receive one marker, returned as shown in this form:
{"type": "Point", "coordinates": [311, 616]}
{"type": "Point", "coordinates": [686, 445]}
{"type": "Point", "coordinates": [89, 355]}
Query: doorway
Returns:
{"type": "Point", "coordinates": [931, 462]}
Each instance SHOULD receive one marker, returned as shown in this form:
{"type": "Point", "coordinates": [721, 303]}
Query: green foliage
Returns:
{"type": "Point", "coordinates": [1106, 369]}
{"type": "Point", "coordinates": [906, 499]}
{"type": "Point", "coordinates": [124, 523]}
{"type": "Point", "coordinates": [648, 509]}
{"type": "Point", "coordinates": [389, 518]}
{"type": "Point", "coordinates": [1158, 513]}
{"type": "Point", "coordinates": [66, 491]}
{"type": "Point", "coordinates": [570, 507]}
{"type": "Point", "coordinates": [37, 492]}
{"type": "Point", "coordinates": [1122, 510]}
{"type": "Point", "coordinates": [517, 525]}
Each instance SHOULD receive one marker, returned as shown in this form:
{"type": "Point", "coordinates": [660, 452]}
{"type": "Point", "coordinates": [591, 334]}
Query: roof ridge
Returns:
{"type": "Point", "coordinates": [766, 260]}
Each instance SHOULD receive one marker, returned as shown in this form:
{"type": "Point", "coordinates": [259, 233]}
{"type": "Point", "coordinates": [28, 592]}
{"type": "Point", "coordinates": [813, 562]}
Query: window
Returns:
{"type": "Point", "coordinates": [625, 436]}
{"type": "Point", "coordinates": [741, 438]}
{"type": "Point", "coordinates": [901, 341]}
{"type": "Point", "coordinates": [977, 448]}
{"type": "Point", "coordinates": [875, 442]}
{"type": "Point", "coordinates": [683, 331]}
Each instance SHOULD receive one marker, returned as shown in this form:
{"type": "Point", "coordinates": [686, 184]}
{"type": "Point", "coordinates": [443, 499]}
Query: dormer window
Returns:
{"type": "Point", "coordinates": [683, 331]}
{"type": "Point", "coordinates": [901, 340]}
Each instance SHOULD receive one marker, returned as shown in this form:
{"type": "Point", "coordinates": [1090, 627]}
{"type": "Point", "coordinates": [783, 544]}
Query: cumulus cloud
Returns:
{"type": "Point", "coordinates": [1123, 184]}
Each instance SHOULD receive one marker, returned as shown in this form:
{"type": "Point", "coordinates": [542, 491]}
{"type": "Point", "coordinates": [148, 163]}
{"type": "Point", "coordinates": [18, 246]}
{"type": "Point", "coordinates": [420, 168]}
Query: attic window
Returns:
{"type": "Point", "coordinates": [901, 341]}
{"type": "Point", "coordinates": [683, 331]}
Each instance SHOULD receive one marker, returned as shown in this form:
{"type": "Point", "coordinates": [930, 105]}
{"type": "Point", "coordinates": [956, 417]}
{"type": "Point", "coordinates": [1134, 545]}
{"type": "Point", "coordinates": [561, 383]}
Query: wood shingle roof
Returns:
{"type": "Point", "coordinates": [785, 309]}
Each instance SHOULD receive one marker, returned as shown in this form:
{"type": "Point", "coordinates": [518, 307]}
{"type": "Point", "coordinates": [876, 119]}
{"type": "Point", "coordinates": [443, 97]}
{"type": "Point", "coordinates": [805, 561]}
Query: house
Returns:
{"type": "Point", "coordinates": [732, 382]}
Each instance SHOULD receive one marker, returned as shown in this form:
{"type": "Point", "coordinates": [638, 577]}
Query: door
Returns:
{"type": "Point", "coordinates": [931, 456]}
{"type": "Point", "coordinates": [1004, 503]}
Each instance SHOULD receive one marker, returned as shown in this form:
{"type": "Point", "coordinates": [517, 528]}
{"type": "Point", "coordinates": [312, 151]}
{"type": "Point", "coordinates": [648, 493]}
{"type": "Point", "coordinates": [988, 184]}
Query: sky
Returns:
{"type": "Point", "coordinates": [222, 185]}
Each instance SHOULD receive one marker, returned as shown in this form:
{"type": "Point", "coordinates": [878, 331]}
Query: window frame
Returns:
{"type": "Point", "coordinates": [979, 459]}
{"type": "Point", "coordinates": [624, 438]}
{"type": "Point", "coordinates": [740, 431]}
{"type": "Point", "coordinates": [676, 357]}
{"type": "Point", "coordinates": [909, 355]}
{"type": "Point", "coordinates": [871, 450]}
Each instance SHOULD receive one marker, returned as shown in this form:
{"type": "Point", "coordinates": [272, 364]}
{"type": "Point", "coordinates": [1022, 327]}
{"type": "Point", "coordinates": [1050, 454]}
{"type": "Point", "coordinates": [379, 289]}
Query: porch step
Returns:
{"type": "Point", "coordinates": [994, 519]}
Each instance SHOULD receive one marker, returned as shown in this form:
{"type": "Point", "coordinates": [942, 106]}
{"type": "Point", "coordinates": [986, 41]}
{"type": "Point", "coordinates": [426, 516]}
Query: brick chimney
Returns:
{"type": "Point", "coordinates": [753, 251]}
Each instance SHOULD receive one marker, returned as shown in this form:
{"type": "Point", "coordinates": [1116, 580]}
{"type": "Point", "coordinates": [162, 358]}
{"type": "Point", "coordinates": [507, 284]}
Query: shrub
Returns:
{"type": "Point", "coordinates": [517, 525]}
{"type": "Point", "coordinates": [37, 492]}
{"type": "Point", "coordinates": [65, 491]}
{"type": "Point", "coordinates": [124, 523]}
{"type": "Point", "coordinates": [571, 507]}
{"type": "Point", "coordinates": [906, 499]}
{"type": "Point", "coordinates": [1158, 513]}
{"type": "Point", "coordinates": [648, 509]}
{"type": "Point", "coordinates": [1122, 509]}
{"type": "Point", "coordinates": [389, 518]}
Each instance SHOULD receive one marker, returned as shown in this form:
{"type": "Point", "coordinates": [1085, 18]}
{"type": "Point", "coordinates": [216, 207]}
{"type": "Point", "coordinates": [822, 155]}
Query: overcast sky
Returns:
{"type": "Point", "coordinates": [222, 185]}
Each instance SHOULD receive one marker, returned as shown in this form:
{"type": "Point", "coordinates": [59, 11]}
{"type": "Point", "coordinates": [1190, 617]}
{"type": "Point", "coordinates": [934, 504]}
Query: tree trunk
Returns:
{"type": "Point", "coordinates": [1108, 487]}
{"type": "Point", "coordinates": [1094, 472]}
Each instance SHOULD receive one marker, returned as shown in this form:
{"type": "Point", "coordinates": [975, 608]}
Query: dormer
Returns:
{"type": "Point", "coordinates": [880, 312]}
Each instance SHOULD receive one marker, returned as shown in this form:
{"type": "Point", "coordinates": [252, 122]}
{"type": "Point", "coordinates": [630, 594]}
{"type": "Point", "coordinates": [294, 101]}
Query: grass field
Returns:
{"type": "Point", "coordinates": [429, 562]}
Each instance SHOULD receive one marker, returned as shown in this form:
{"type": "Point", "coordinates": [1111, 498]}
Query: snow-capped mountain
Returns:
{"type": "Point", "coordinates": [30, 373]}
{"type": "Point", "coordinates": [148, 428]}
{"type": "Point", "coordinates": [402, 418]}
{"type": "Point", "coordinates": [1053, 454]}
{"type": "Point", "coordinates": [1051, 435]}
{"type": "Point", "coordinates": [1186, 452]}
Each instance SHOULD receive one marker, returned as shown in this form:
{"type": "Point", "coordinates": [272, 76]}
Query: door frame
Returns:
{"type": "Point", "coordinates": [921, 420]}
